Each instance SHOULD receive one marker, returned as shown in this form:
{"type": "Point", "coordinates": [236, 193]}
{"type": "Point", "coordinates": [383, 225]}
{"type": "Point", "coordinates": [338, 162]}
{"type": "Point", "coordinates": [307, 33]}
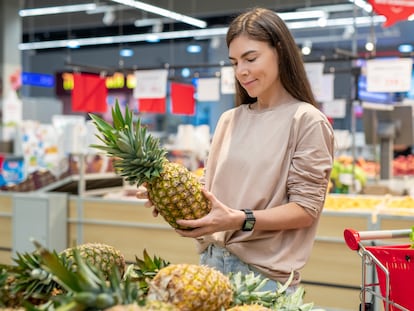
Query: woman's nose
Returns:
{"type": "Point", "coordinates": [241, 70]}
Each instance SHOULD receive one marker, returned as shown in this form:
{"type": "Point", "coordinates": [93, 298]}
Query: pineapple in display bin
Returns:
{"type": "Point", "coordinates": [72, 281]}
{"type": "Point", "coordinates": [139, 158]}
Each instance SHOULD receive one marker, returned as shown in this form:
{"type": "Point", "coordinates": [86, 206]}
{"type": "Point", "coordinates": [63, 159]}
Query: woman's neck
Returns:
{"type": "Point", "coordinates": [278, 99]}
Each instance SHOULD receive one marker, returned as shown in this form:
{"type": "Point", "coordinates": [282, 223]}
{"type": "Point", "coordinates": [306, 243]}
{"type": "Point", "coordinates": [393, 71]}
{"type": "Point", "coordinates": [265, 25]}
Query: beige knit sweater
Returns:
{"type": "Point", "coordinates": [262, 159]}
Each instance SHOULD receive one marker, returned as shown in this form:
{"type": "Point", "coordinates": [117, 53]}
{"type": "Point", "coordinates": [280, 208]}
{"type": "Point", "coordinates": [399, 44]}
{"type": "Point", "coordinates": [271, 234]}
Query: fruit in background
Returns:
{"type": "Point", "coordinates": [403, 165]}
{"type": "Point", "coordinates": [172, 188]}
{"type": "Point", "coordinates": [344, 175]}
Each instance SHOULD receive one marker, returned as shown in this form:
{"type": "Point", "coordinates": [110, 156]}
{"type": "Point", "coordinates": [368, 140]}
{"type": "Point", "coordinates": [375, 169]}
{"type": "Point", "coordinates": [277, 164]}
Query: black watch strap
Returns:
{"type": "Point", "coordinates": [249, 221]}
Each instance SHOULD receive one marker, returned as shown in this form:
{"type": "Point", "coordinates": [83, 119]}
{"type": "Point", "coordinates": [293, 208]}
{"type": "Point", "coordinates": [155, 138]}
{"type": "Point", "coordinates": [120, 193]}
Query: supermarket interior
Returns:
{"type": "Point", "coordinates": [63, 62]}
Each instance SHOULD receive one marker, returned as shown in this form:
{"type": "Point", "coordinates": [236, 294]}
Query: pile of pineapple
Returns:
{"type": "Point", "coordinates": [95, 276]}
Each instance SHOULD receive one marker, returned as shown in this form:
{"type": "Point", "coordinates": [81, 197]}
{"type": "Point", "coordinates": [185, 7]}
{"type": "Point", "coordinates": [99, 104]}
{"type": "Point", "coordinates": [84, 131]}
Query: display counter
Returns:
{"type": "Point", "coordinates": [127, 225]}
{"type": "Point", "coordinates": [6, 212]}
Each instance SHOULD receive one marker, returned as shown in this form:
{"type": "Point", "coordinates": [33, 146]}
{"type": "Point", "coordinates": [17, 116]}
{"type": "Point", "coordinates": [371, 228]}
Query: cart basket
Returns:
{"type": "Point", "coordinates": [399, 261]}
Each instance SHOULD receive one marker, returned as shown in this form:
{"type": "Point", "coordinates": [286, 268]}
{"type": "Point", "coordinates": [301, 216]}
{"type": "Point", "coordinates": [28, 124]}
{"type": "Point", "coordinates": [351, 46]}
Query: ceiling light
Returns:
{"type": "Point", "coordinates": [405, 48]}
{"type": "Point", "coordinates": [302, 15]}
{"type": "Point", "coordinates": [108, 18]}
{"type": "Point", "coordinates": [322, 22]}
{"type": "Point", "coordinates": [369, 46]}
{"type": "Point", "coordinates": [145, 22]}
{"type": "Point", "coordinates": [157, 27]}
{"type": "Point", "coordinates": [152, 38]}
{"type": "Point", "coordinates": [307, 47]}
{"type": "Point", "coordinates": [363, 5]}
{"type": "Point", "coordinates": [163, 12]}
{"type": "Point", "coordinates": [185, 72]}
{"type": "Point", "coordinates": [349, 31]}
{"type": "Point", "coordinates": [194, 48]}
{"type": "Point", "coordinates": [73, 44]}
{"type": "Point", "coordinates": [206, 33]}
{"type": "Point", "coordinates": [57, 9]}
{"type": "Point", "coordinates": [126, 52]}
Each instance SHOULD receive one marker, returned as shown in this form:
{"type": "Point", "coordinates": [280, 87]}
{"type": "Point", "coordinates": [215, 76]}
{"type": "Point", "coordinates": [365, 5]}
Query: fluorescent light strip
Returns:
{"type": "Point", "coordinates": [302, 15]}
{"type": "Point", "coordinates": [363, 5]}
{"type": "Point", "coordinates": [57, 9]}
{"type": "Point", "coordinates": [123, 39]}
{"type": "Point", "coordinates": [339, 22]}
{"type": "Point", "coordinates": [199, 33]}
{"type": "Point", "coordinates": [163, 12]}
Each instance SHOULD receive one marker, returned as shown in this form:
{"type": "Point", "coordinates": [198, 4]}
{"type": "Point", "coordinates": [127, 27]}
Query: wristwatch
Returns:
{"type": "Point", "coordinates": [250, 220]}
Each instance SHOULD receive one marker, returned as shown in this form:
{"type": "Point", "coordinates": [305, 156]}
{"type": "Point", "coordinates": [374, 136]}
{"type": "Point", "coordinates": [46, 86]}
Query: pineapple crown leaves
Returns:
{"type": "Point", "coordinates": [145, 269]}
{"type": "Point", "coordinates": [30, 278]}
{"type": "Point", "coordinates": [52, 263]}
{"type": "Point", "coordinates": [138, 155]}
{"type": "Point", "coordinates": [247, 290]}
{"type": "Point", "coordinates": [87, 286]}
{"type": "Point", "coordinates": [150, 264]}
{"type": "Point", "coordinates": [294, 301]}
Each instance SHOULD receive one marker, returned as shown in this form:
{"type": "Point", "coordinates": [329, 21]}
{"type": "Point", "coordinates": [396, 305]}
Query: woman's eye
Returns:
{"type": "Point", "coordinates": [251, 60]}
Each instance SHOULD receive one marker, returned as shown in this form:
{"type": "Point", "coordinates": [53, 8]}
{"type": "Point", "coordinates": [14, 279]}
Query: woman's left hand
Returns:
{"type": "Point", "coordinates": [220, 218]}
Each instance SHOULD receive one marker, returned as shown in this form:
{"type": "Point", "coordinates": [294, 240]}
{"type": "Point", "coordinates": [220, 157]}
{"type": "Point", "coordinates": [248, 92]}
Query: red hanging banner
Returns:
{"type": "Point", "coordinates": [393, 10]}
{"type": "Point", "coordinates": [89, 93]}
{"type": "Point", "coordinates": [182, 99]}
{"type": "Point", "coordinates": [152, 105]}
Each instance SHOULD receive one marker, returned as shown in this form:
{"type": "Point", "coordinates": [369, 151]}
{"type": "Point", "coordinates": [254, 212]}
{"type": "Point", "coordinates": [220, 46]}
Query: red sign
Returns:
{"type": "Point", "coordinates": [393, 10]}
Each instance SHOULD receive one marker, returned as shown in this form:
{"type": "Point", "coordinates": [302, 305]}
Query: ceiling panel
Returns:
{"type": "Point", "coordinates": [217, 13]}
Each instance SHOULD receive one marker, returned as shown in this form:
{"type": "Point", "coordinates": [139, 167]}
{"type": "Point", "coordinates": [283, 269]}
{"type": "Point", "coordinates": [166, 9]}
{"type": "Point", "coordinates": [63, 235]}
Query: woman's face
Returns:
{"type": "Point", "coordinates": [255, 65]}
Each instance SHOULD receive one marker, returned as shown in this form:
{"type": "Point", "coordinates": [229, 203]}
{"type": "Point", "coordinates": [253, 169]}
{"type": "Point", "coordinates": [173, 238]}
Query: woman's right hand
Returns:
{"type": "Point", "coordinates": [142, 194]}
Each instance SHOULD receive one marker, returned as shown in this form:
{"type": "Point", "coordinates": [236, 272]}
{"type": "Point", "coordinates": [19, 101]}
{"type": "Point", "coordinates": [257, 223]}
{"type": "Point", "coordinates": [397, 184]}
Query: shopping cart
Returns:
{"type": "Point", "coordinates": [394, 269]}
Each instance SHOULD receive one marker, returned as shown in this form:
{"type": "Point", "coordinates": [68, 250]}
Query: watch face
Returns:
{"type": "Point", "coordinates": [249, 225]}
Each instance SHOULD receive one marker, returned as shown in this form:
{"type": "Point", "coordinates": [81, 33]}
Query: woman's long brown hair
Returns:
{"type": "Point", "coordinates": [265, 25]}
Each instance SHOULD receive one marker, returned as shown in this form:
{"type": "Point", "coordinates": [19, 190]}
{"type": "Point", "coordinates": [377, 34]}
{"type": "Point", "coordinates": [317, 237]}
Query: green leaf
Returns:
{"type": "Point", "coordinates": [53, 264]}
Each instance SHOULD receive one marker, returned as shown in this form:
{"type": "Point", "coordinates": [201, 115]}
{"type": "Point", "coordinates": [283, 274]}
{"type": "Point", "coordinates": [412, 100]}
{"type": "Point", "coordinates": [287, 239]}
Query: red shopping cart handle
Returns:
{"type": "Point", "coordinates": [353, 237]}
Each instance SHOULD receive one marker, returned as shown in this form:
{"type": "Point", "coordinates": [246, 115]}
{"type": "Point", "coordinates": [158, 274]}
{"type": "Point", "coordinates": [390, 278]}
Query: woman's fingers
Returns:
{"type": "Point", "coordinates": [142, 194]}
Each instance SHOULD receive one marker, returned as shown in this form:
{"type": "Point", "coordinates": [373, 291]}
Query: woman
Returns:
{"type": "Point", "coordinates": [270, 159]}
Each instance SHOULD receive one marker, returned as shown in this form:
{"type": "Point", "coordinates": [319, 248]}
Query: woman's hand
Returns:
{"type": "Point", "coordinates": [142, 194]}
{"type": "Point", "coordinates": [220, 218]}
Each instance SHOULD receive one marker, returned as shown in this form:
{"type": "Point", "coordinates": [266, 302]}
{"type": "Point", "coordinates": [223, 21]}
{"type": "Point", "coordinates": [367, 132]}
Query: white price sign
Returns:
{"type": "Point", "coordinates": [390, 75]}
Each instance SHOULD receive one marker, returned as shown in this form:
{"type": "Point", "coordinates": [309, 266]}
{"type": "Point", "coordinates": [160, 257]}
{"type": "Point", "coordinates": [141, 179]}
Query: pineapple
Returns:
{"type": "Point", "coordinates": [87, 287]}
{"type": "Point", "coordinates": [101, 255]}
{"type": "Point", "coordinates": [149, 306]}
{"type": "Point", "coordinates": [28, 281]}
{"type": "Point", "coordinates": [192, 287]}
{"type": "Point", "coordinates": [252, 307]}
{"type": "Point", "coordinates": [139, 158]}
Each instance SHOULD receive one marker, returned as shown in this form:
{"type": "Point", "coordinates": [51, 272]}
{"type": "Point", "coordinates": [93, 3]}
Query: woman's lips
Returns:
{"type": "Point", "coordinates": [248, 83]}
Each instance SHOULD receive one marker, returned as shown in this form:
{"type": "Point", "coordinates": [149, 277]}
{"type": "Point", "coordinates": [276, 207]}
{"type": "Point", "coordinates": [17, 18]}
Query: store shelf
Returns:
{"type": "Point", "coordinates": [93, 183]}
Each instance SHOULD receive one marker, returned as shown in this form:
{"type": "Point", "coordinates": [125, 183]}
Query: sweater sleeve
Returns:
{"type": "Point", "coordinates": [311, 164]}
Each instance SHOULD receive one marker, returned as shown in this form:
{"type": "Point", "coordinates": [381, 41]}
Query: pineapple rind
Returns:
{"type": "Point", "coordinates": [252, 307]}
{"type": "Point", "coordinates": [101, 255]}
{"type": "Point", "coordinates": [177, 195]}
{"type": "Point", "coordinates": [192, 287]}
